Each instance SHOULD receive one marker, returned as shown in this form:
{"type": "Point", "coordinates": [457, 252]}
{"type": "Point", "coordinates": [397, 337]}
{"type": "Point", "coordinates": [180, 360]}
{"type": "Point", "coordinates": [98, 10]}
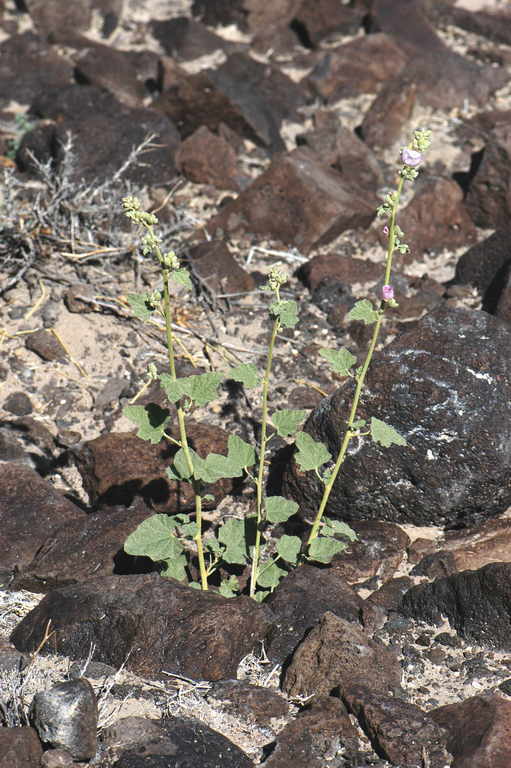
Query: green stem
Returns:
{"type": "Point", "coordinates": [350, 431]}
{"type": "Point", "coordinates": [167, 311]}
{"type": "Point", "coordinates": [262, 453]}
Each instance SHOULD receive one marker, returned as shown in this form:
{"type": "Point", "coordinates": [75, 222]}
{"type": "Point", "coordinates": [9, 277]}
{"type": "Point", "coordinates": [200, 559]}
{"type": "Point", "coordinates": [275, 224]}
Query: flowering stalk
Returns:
{"type": "Point", "coordinates": [411, 158]}
{"type": "Point", "coordinates": [275, 281]}
{"type": "Point", "coordinates": [169, 264]}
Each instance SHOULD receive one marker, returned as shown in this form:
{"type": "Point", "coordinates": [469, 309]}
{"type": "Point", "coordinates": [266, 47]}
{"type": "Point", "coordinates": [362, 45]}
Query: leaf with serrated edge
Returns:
{"type": "Point", "coordinates": [246, 373]}
{"type": "Point", "coordinates": [286, 422]}
{"type": "Point", "coordinates": [341, 360]}
{"type": "Point", "coordinates": [232, 536]}
{"type": "Point", "coordinates": [279, 509]}
{"type": "Point", "coordinates": [270, 576]}
{"type": "Point", "coordinates": [324, 548]}
{"type": "Point", "coordinates": [154, 538]}
{"type": "Point", "coordinates": [229, 587]}
{"type": "Point", "coordinates": [385, 434]}
{"type": "Point", "coordinates": [288, 548]}
{"type": "Point", "coordinates": [150, 419]}
{"type": "Point", "coordinates": [240, 451]}
{"type": "Point", "coordinates": [173, 388]}
{"type": "Point", "coordinates": [363, 311]}
{"type": "Point", "coordinates": [139, 305]}
{"type": "Point", "coordinates": [311, 453]}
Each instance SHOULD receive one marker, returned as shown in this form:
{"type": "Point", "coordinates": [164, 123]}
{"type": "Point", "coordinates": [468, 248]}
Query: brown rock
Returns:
{"type": "Point", "coordinates": [387, 119]}
{"type": "Point", "coordinates": [27, 66]}
{"type": "Point", "coordinates": [300, 600]}
{"type": "Point", "coordinates": [104, 133]}
{"type": "Point", "coordinates": [324, 18]}
{"type": "Point", "coordinates": [340, 148]}
{"type": "Point", "coordinates": [66, 715]}
{"type": "Point", "coordinates": [341, 267]}
{"type": "Point", "coordinates": [503, 309]}
{"type": "Point", "coordinates": [218, 270]}
{"type": "Point", "coordinates": [485, 264]}
{"type": "Point", "coordinates": [59, 14]}
{"type": "Point", "coordinates": [493, 25]}
{"type": "Point", "coordinates": [338, 654]}
{"type": "Point", "coordinates": [185, 39]}
{"type": "Point", "coordinates": [479, 730]}
{"type": "Point", "coordinates": [252, 702]}
{"type": "Point", "coordinates": [30, 510]}
{"type": "Point", "coordinates": [19, 748]}
{"type": "Point", "coordinates": [45, 344]}
{"type": "Point", "coordinates": [435, 218]}
{"type": "Point", "coordinates": [124, 73]}
{"type": "Point", "coordinates": [399, 731]}
{"type": "Point", "coordinates": [116, 467]}
{"type": "Point", "coordinates": [74, 301]}
{"type": "Point", "coordinates": [489, 542]}
{"type": "Point", "coordinates": [310, 739]}
{"type": "Point", "coordinates": [86, 548]}
{"type": "Point", "coordinates": [149, 623]}
{"type": "Point", "coordinates": [379, 550]}
{"type": "Point", "coordinates": [208, 159]}
{"type": "Point", "coordinates": [297, 201]}
{"type": "Point", "coordinates": [489, 196]}
{"type": "Point", "coordinates": [360, 66]}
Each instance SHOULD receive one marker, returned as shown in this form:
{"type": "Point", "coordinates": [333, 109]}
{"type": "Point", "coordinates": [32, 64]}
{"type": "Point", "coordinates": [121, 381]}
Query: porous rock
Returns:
{"type": "Point", "coordinates": [173, 740]}
{"type": "Point", "coordinates": [218, 270]}
{"type": "Point", "coordinates": [337, 654]}
{"type": "Point", "coordinates": [444, 386]}
{"type": "Point", "coordinates": [489, 197]}
{"type": "Point", "coordinates": [118, 467]}
{"type": "Point", "coordinates": [208, 159]}
{"type": "Point", "coordinates": [149, 623]}
{"type": "Point", "coordinates": [300, 600]}
{"type": "Point", "coordinates": [19, 747]}
{"type": "Point", "coordinates": [398, 730]}
{"type": "Point", "coordinates": [477, 604]}
{"type": "Point", "coordinates": [27, 66]}
{"type": "Point", "coordinates": [30, 510]}
{"type": "Point", "coordinates": [478, 731]}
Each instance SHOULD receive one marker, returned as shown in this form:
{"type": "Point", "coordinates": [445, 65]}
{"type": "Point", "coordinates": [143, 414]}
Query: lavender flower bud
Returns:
{"type": "Point", "coordinates": [387, 292]}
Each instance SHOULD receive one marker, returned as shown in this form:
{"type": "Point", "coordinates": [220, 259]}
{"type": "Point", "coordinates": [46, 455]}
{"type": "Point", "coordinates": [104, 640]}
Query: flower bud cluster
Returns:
{"type": "Point", "coordinates": [276, 278]}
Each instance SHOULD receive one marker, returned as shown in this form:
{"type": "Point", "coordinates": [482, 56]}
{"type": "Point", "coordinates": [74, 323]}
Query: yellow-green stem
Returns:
{"type": "Point", "coordinates": [182, 430]}
{"type": "Point", "coordinates": [262, 454]}
{"type": "Point", "coordinates": [350, 432]}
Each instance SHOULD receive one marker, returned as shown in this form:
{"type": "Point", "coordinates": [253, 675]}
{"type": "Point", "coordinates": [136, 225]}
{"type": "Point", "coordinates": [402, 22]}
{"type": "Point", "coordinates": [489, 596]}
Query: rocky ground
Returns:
{"type": "Point", "coordinates": [260, 134]}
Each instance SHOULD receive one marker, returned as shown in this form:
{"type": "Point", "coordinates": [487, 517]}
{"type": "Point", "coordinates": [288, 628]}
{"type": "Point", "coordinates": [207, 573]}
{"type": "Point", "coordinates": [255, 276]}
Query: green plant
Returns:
{"type": "Point", "coordinates": [176, 540]}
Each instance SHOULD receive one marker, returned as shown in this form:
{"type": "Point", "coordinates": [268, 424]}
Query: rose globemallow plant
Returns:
{"type": "Point", "coordinates": [179, 542]}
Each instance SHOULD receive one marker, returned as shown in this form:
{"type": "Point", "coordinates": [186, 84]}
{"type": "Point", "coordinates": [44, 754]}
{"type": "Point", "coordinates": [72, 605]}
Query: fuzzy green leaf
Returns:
{"type": "Point", "coordinates": [288, 548]}
{"type": "Point", "coordinates": [384, 434]}
{"type": "Point", "coordinates": [311, 453]}
{"type": "Point", "coordinates": [324, 548]}
{"type": "Point", "coordinates": [246, 373]}
{"type": "Point", "coordinates": [150, 420]}
{"type": "Point", "coordinates": [201, 388]}
{"type": "Point", "coordinates": [219, 466]}
{"type": "Point", "coordinates": [286, 311]}
{"type": "Point", "coordinates": [240, 451]}
{"type": "Point", "coordinates": [229, 587]}
{"type": "Point", "coordinates": [232, 536]}
{"type": "Point", "coordinates": [141, 305]}
{"type": "Point", "coordinates": [179, 469]}
{"type": "Point", "coordinates": [341, 360]}
{"type": "Point", "coordinates": [279, 509]}
{"type": "Point", "coordinates": [332, 527]}
{"type": "Point", "coordinates": [182, 277]}
{"type": "Point", "coordinates": [154, 538]}
{"type": "Point", "coordinates": [286, 422]}
{"type": "Point", "coordinates": [175, 569]}
{"type": "Point", "coordinates": [359, 423]}
{"type": "Point", "coordinates": [364, 311]}
{"type": "Point", "coordinates": [270, 576]}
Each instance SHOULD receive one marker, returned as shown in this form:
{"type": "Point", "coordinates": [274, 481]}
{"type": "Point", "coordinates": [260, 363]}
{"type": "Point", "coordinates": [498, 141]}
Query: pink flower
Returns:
{"type": "Point", "coordinates": [411, 157]}
{"type": "Point", "coordinates": [387, 292]}
{"type": "Point", "coordinates": [385, 230]}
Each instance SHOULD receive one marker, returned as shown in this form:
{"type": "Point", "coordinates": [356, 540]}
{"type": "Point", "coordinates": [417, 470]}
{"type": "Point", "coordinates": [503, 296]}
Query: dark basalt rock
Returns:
{"type": "Point", "coordinates": [445, 386]}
